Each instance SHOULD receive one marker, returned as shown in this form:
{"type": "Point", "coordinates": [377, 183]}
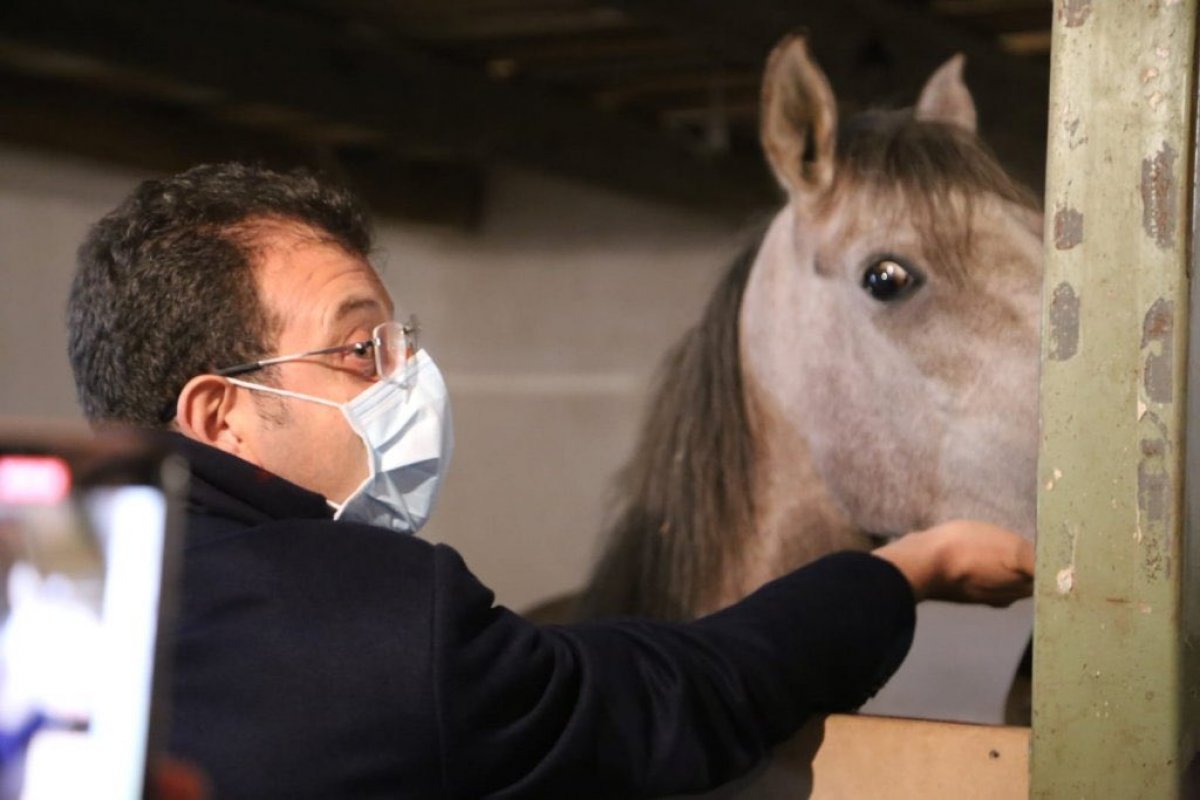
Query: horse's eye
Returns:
{"type": "Point", "coordinates": [888, 279]}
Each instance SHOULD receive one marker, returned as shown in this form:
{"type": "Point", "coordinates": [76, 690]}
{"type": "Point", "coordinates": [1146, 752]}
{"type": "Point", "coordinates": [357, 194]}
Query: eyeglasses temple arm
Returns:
{"type": "Point", "coordinates": [241, 369]}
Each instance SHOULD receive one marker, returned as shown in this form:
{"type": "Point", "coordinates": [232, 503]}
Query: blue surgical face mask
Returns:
{"type": "Point", "coordinates": [405, 424]}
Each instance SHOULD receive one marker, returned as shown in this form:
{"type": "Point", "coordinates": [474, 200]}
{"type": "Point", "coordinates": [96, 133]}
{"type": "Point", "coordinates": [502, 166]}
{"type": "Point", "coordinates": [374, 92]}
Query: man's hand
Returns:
{"type": "Point", "coordinates": [965, 562]}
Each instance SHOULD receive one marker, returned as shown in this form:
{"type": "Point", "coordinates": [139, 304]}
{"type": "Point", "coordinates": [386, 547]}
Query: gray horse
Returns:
{"type": "Point", "coordinates": [868, 368]}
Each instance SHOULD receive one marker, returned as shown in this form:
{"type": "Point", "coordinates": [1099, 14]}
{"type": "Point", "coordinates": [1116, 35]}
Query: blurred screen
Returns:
{"type": "Point", "coordinates": [81, 569]}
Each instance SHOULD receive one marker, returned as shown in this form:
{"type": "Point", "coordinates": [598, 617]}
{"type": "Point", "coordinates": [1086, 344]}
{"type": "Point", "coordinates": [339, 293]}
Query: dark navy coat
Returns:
{"type": "Point", "coordinates": [323, 659]}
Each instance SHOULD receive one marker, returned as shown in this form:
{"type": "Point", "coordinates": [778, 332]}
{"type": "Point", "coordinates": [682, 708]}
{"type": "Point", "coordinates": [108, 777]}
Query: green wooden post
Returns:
{"type": "Point", "coordinates": [1116, 612]}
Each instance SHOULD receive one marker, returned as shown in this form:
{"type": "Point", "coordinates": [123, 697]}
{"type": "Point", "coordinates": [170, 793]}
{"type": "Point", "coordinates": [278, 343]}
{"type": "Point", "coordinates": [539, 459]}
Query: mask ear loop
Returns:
{"type": "Point", "coordinates": [283, 392]}
{"type": "Point", "coordinates": [255, 387]}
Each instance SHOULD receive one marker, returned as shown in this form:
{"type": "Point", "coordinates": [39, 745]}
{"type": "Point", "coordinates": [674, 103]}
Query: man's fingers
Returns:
{"type": "Point", "coordinates": [965, 561]}
{"type": "Point", "coordinates": [1026, 557]}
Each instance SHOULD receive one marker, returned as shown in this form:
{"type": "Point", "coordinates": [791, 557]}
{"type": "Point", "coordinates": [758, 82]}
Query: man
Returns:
{"type": "Point", "coordinates": [324, 652]}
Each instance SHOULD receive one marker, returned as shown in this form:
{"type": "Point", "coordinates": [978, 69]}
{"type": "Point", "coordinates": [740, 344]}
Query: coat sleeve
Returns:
{"type": "Point", "coordinates": [635, 708]}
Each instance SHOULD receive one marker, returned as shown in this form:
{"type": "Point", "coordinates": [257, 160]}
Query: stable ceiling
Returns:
{"type": "Point", "coordinates": [411, 100]}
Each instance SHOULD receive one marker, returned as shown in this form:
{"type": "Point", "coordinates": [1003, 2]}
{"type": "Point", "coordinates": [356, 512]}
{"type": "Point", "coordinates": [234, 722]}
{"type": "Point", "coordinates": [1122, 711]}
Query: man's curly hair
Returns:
{"type": "Point", "coordinates": [165, 288]}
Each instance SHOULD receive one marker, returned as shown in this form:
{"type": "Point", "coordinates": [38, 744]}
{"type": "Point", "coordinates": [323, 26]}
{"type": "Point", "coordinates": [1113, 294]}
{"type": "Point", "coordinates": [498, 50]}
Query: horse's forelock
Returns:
{"type": "Point", "coordinates": [935, 172]}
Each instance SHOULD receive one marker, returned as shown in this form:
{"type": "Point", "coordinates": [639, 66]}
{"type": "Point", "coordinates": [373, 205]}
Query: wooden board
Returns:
{"type": "Point", "coordinates": [885, 758]}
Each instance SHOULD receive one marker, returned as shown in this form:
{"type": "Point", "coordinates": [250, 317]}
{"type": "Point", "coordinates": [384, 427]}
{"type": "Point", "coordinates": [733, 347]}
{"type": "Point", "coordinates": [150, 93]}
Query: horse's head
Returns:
{"type": "Point", "coordinates": [891, 319]}
{"type": "Point", "coordinates": [872, 368]}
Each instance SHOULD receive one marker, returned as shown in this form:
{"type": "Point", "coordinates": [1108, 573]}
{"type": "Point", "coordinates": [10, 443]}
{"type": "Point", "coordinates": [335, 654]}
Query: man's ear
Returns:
{"type": "Point", "coordinates": [211, 410]}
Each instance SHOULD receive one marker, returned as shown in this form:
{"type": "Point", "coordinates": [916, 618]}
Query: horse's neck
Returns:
{"type": "Point", "coordinates": [796, 519]}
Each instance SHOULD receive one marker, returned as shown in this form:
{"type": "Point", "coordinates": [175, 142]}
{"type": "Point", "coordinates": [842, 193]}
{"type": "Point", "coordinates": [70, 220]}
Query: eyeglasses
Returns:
{"type": "Point", "coordinates": [386, 353]}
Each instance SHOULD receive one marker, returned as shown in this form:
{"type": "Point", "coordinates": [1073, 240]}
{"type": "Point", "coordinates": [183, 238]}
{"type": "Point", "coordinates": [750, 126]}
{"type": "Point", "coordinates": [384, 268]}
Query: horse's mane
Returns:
{"type": "Point", "coordinates": [686, 491]}
{"type": "Point", "coordinates": [686, 495]}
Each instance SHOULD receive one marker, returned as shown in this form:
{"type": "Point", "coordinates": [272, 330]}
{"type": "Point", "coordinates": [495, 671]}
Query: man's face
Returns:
{"type": "Point", "coordinates": [319, 296]}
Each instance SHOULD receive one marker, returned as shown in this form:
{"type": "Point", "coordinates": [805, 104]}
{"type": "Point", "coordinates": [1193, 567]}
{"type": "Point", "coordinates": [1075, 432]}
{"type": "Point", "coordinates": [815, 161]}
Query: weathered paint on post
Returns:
{"type": "Point", "coordinates": [1113, 709]}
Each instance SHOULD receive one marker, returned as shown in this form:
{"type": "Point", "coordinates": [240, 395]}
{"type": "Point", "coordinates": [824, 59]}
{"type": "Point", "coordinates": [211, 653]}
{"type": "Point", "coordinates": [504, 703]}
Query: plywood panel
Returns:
{"type": "Point", "coordinates": [853, 757]}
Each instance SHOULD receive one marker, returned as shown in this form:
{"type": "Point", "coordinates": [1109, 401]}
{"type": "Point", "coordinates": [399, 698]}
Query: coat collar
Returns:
{"type": "Point", "coordinates": [227, 486]}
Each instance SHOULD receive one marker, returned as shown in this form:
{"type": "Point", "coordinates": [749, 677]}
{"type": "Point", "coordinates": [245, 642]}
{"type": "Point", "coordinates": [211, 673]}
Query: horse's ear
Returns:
{"type": "Point", "coordinates": [946, 98]}
{"type": "Point", "coordinates": [799, 118]}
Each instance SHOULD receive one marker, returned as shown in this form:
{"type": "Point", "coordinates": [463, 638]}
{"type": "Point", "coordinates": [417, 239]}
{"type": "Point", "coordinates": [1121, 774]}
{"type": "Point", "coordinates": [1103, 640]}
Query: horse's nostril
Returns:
{"type": "Point", "coordinates": [887, 279]}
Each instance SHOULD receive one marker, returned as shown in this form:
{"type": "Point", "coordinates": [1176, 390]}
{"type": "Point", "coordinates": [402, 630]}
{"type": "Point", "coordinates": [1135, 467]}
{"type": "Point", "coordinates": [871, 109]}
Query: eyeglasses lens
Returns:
{"type": "Point", "coordinates": [394, 345]}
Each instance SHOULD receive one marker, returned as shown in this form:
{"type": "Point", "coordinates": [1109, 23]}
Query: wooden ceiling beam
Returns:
{"type": "Point", "coordinates": [999, 17]}
{"type": "Point", "coordinates": [689, 82]}
{"type": "Point", "coordinates": [425, 107]}
{"type": "Point", "coordinates": [49, 115]}
{"type": "Point", "coordinates": [451, 25]}
{"type": "Point", "coordinates": [477, 21]}
{"type": "Point", "coordinates": [538, 50]}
